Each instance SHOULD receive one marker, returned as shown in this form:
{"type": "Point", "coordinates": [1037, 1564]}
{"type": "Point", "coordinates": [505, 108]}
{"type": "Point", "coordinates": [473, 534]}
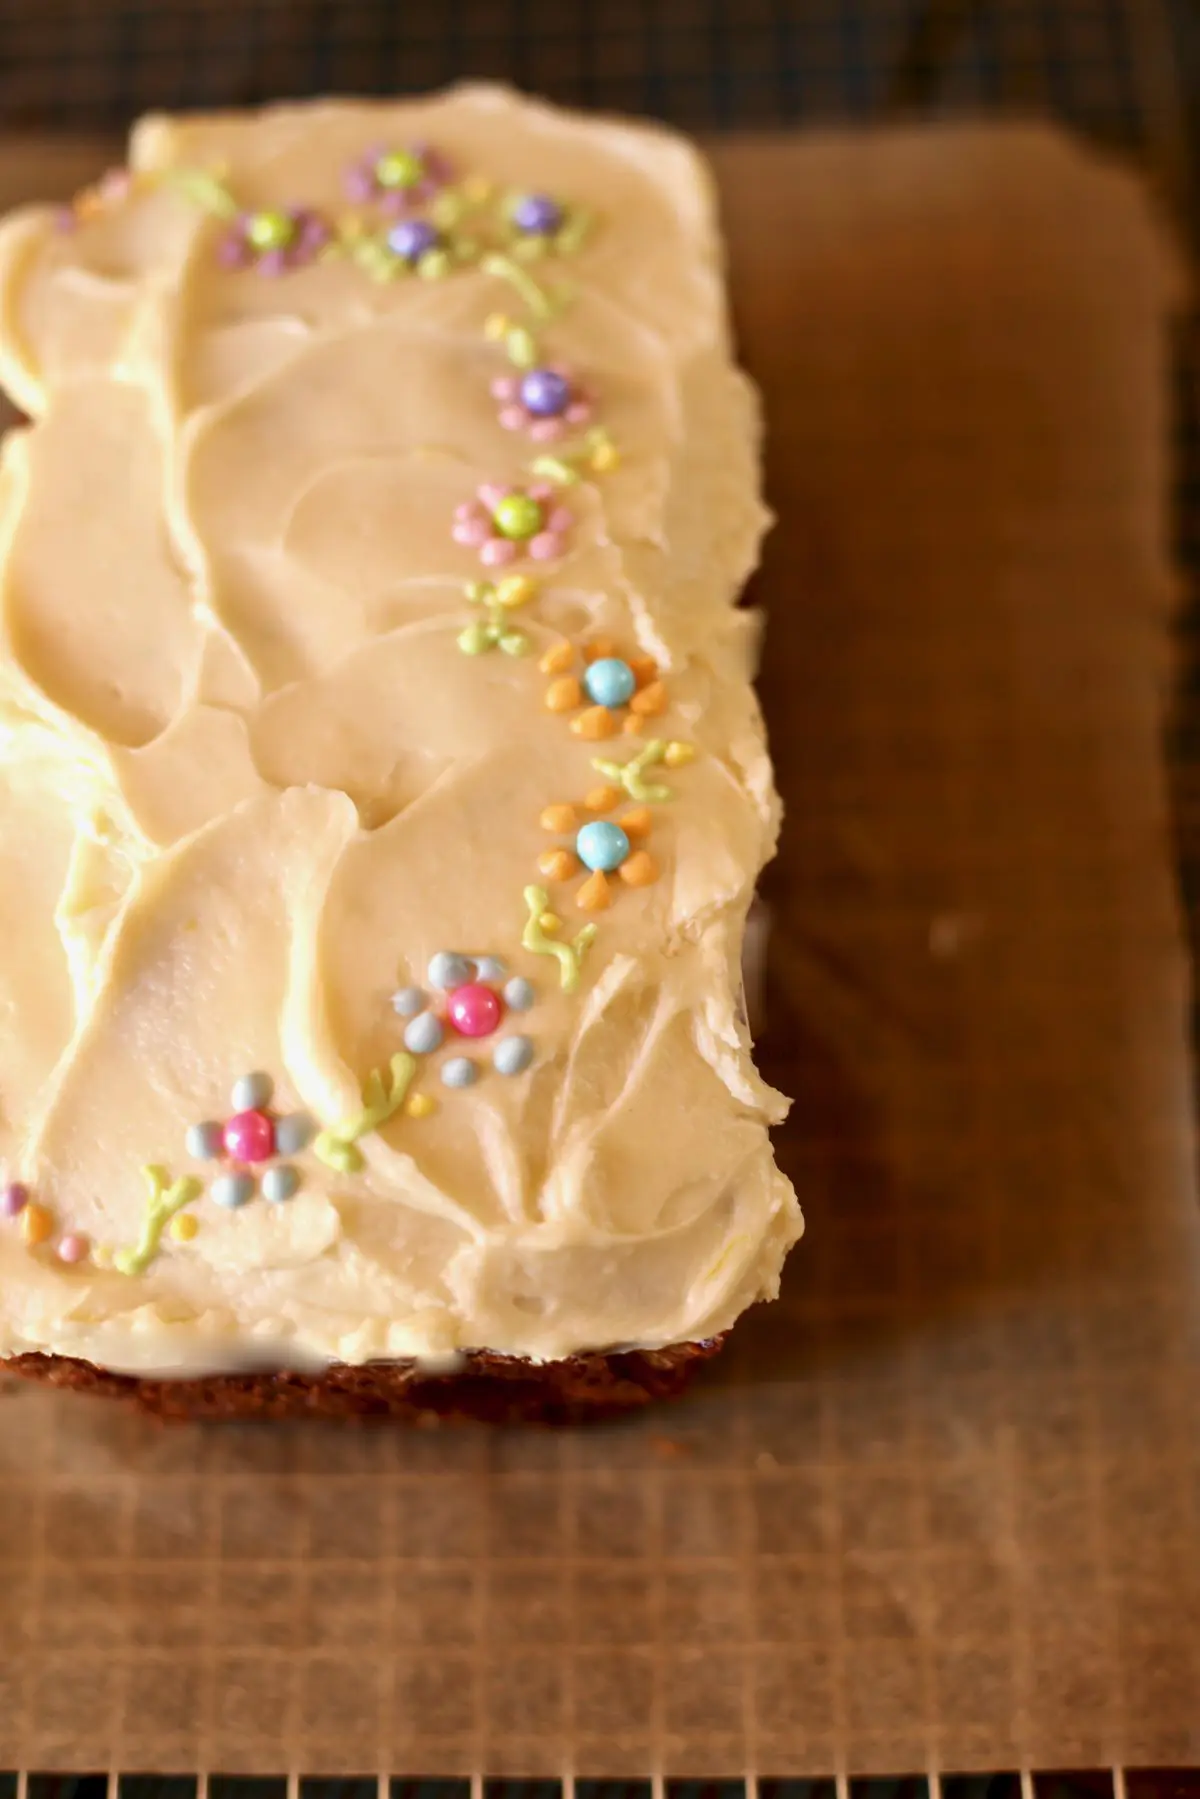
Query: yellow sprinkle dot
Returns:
{"type": "Point", "coordinates": [558, 819]}
{"type": "Point", "coordinates": [420, 1105]}
{"type": "Point", "coordinates": [639, 870]}
{"type": "Point", "coordinates": [603, 799]}
{"type": "Point", "coordinates": [558, 865]}
{"type": "Point", "coordinates": [678, 755]}
{"type": "Point", "coordinates": [36, 1224]}
{"type": "Point", "coordinates": [650, 700]}
{"type": "Point", "coordinates": [605, 458]}
{"type": "Point", "coordinates": [495, 326]}
{"type": "Point", "coordinates": [595, 723]}
{"type": "Point", "coordinates": [564, 694]}
{"type": "Point", "coordinates": [558, 659]}
{"type": "Point", "coordinates": [102, 1255]}
{"type": "Point", "coordinates": [551, 923]}
{"type": "Point", "coordinates": [183, 1227]}
{"type": "Point", "coordinates": [595, 895]}
{"type": "Point", "coordinates": [515, 590]}
{"type": "Point", "coordinates": [637, 823]}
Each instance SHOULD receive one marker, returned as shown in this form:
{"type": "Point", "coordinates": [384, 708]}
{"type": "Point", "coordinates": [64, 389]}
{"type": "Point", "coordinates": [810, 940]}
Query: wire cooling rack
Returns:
{"type": "Point", "coordinates": [1124, 73]}
{"type": "Point", "coordinates": [1146, 1783]}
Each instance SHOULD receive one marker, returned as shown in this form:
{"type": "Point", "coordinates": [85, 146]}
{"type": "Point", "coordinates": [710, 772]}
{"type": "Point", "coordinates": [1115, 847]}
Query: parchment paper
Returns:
{"type": "Point", "coordinates": [938, 1508]}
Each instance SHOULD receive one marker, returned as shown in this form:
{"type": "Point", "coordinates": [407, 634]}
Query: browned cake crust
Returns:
{"type": "Point", "coordinates": [498, 1389]}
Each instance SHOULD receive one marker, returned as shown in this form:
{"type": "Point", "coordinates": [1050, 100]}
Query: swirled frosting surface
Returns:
{"type": "Point", "coordinates": [270, 743]}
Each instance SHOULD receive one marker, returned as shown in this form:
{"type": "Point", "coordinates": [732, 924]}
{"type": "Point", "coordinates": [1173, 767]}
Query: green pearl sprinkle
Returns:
{"type": "Point", "coordinates": [518, 517]}
{"type": "Point", "coordinates": [270, 230]}
{"type": "Point", "coordinates": [400, 168]}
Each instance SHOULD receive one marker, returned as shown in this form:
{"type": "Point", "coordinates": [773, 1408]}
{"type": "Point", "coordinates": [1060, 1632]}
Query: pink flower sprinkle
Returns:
{"type": "Point", "coordinates": [506, 387]}
{"type": "Point", "coordinates": [491, 493]}
{"type": "Point", "coordinates": [499, 550]}
{"type": "Point", "coordinates": [546, 546]}
{"type": "Point", "coordinates": [73, 1247]}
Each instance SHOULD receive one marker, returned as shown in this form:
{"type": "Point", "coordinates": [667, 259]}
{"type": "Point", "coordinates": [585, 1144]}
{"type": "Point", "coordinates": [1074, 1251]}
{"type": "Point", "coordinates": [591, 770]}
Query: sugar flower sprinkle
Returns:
{"type": "Point", "coordinates": [546, 403]}
{"type": "Point", "coordinates": [616, 692]}
{"type": "Point", "coordinates": [251, 1137]}
{"type": "Point", "coordinates": [503, 522]}
{"type": "Point", "coordinates": [397, 179]}
{"type": "Point", "coordinates": [470, 997]}
{"type": "Point", "coordinates": [274, 240]}
{"type": "Point", "coordinates": [600, 846]}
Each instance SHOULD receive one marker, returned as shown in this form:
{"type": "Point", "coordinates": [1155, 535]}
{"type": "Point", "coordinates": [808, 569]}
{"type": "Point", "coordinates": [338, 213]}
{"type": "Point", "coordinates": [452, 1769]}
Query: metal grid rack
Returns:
{"type": "Point", "coordinates": [1125, 73]}
{"type": "Point", "coordinates": [1107, 1784]}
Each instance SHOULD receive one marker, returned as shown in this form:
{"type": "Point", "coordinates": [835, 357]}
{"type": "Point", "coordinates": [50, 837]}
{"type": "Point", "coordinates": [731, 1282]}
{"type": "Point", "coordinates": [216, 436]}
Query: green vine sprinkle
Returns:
{"type": "Point", "coordinates": [166, 1198]}
{"type": "Point", "coordinates": [338, 1147]}
{"type": "Point", "coordinates": [596, 455]}
{"type": "Point", "coordinates": [629, 774]}
{"type": "Point", "coordinates": [534, 295]}
{"type": "Point", "coordinates": [536, 938]}
{"type": "Point", "coordinates": [520, 345]}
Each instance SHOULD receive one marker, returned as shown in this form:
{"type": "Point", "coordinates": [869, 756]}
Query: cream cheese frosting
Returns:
{"type": "Point", "coordinates": [382, 790]}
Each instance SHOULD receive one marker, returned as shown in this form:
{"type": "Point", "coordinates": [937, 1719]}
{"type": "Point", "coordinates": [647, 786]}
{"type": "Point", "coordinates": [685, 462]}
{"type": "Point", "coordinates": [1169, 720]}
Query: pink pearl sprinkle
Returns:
{"type": "Point", "coordinates": [491, 493]}
{"type": "Point", "coordinates": [233, 252]}
{"type": "Point", "coordinates": [474, 1010]}
{"type": "Point", "coordinates": [498, 550]}
{"type": "Point", "coordinates": [513, 418]}
{"type": "Point", "coordinates": [13, 1199]}
{"type": "Point", "coordinates": [249, 1137]}
{"type": "Point", "coordinates": [73, 1247]}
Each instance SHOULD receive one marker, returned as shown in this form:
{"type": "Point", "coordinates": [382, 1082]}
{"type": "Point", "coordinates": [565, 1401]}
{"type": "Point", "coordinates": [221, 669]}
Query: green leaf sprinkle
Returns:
{"type": "Point", "coordinates": [383, 1094]}
{"type": "Point", "coordinates": [474, 640]}
{"type": "Point", "coordinates": [205, 190]}
{"type": "Point", "coordinates": [574, 233]}
{"type": "Point", "coordinates": [629, 774]}
{"type": "Point", "coordinates": [556, 469]}
{"type": "Point", "coordinates": [161, 1206]}
{"type": "Point", "coordinates": [569, 956]}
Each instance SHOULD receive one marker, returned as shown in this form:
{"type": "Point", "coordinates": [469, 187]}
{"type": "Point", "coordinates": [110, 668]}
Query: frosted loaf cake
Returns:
{"type": "Point", "coordinates": [382, 788]}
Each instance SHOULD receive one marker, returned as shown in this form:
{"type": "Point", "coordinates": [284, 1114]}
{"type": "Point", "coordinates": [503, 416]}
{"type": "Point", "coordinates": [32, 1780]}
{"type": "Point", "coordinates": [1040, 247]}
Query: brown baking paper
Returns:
{"type": "Point", "coordinates": [936, 1508]}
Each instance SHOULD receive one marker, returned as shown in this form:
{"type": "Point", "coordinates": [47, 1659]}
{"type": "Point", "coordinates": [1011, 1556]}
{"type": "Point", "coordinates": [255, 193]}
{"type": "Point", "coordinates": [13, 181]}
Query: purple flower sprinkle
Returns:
{"type": "Point", "coordinates": [413, 238]}
{"type": "Point", "coordinates": [545, 393]}
{"type": "Point", "coordinates": [538, 215]}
